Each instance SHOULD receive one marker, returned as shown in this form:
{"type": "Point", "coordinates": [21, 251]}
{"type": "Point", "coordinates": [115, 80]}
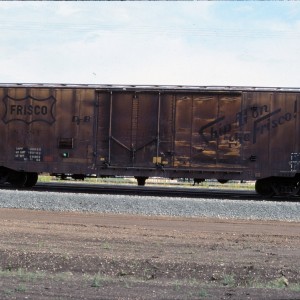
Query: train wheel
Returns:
{"type": "Point", "coordinates": [18, 179]}
{"type": "Point", "coordinates": [286, 187]}
{"type": "Point", "coordinates": [264, 187]}
{"type": "Point", "coordinates": [32, 179]}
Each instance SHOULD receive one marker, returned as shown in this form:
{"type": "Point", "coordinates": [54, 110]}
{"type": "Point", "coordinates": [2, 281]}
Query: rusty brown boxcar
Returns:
{"type": "Point", "coordinates": [224, 133]}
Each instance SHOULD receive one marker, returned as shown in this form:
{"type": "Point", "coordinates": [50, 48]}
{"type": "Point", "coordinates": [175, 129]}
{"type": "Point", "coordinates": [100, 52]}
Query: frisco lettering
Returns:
{"type": "Point", "coordinates": [262, 123]}
{"type": "Point", "coordinates": [28, 110]}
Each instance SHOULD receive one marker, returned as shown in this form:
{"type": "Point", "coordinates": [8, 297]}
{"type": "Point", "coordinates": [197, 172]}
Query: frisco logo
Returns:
{"type": "Point", "coordinates": [29, 110]}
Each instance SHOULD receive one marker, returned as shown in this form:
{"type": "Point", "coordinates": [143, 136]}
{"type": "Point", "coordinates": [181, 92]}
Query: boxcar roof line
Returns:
{"type": "Point", "coordinates": [187, 88]}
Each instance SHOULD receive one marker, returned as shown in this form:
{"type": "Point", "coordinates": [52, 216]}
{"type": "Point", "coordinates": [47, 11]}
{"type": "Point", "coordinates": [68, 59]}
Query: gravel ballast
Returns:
{"type": "Point", "coordinates": [149, 205]}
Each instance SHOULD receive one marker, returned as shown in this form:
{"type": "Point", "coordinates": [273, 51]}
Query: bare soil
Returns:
{"type": "Point", "coordinates": [67, 255]}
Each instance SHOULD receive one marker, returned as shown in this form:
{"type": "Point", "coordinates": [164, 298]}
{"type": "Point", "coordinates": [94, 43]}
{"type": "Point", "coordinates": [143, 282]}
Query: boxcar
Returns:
{"type": "Point", "coordinates": [225, 133]}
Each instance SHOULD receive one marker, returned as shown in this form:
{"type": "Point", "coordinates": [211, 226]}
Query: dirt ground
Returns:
{"type": "Point", "coordinates": [67, 255]}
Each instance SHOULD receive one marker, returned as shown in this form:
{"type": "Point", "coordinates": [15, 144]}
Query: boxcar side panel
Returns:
{"type": "Point", "coordinates": [128, 129]}
{"type": "Point", "coordinates": [48, 130]}
{"type": "Point", "coordinates": [283, 145]}
{"type": "Point", "coordinates": [218, 134]}
{"type": "Point", "coordinates": [102, 132]}
{"type": "Point", "coordinates": [166, 149]}
{"type": "Point", "coordinates": [74, 131]}
{"type": "Point", "coordinates": [28, 116]}
{"type": "Point", "coordinates": [205, 114]}
{"type": "Point", "coordinates": [144, 129]}
{"type": "Point", "coordinates": [183, 130]}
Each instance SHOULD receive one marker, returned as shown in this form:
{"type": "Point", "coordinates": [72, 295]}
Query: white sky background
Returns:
{"type": "Point", "coordinates": [181, 43]}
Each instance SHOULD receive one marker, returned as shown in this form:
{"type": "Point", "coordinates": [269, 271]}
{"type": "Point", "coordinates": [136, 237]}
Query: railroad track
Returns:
{"type": "Point", "coordinates": [160, 191]}
{"type": "Point", "coordinates": [145, 190]}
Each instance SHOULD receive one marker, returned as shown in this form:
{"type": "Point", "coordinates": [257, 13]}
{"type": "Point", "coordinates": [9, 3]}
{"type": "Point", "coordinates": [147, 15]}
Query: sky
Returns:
{"type": "Point", "coordinates": [213, 43]}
